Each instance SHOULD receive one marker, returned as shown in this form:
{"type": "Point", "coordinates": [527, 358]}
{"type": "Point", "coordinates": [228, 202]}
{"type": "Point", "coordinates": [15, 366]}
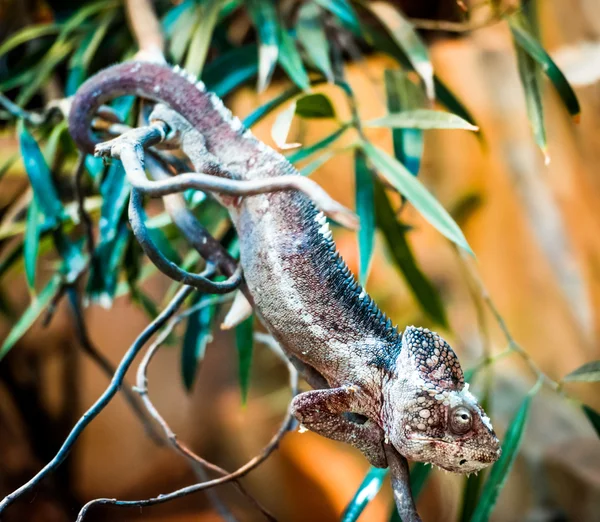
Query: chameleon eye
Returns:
{"type": "Point", "coordinates": [461, 420]}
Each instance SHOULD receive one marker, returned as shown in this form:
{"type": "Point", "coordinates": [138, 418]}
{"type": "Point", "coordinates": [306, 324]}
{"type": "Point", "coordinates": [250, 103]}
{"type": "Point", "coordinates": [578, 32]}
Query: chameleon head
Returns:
{"type": "Point", "coordinates": [429, 415]}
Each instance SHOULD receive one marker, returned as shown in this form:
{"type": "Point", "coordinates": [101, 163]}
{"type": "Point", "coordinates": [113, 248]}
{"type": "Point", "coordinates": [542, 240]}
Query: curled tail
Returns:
{"type": "Point", "coordinates": [162, 84]}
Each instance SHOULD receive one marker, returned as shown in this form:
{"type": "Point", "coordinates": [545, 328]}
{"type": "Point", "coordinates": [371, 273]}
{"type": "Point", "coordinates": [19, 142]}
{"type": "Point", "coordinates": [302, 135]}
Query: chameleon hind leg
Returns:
{"type": "Point", "coordinates": [330, 413]}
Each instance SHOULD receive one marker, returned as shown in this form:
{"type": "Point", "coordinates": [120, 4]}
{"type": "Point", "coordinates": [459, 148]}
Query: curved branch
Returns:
{"type": "Point", "coordinates": [286, 425]}
{"type": "Point", "coordinates": [199, 281]}
{"type": "Point", "coordinates": [104, 399]}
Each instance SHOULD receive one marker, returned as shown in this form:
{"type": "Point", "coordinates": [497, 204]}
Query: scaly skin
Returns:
{"type": "Point", "coordinates": [374, 386]}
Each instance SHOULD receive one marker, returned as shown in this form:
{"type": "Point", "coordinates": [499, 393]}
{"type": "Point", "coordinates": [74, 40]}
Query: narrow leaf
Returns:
{"type": "Point", "coordinates": [198, 335]}
{"type": "Point", "coordinates": [402, 94]}
{"type": "Point", "coordinates": [290, 60]}
{"type": "Point", "coordinates": [525, 39]}
{"type": "Point", "coordinates": [311, 34]}
{"type": "Point", "coordinates": [36, 307]}
{"type": "Point", "coordinates": [421, 119]}
{"type": "Point", "coordinates": [529, 72]}
{"type": "Point", "coordinates": [365, 208]}
{"type": "Point", "coordinates": [343, 10]}
{"type": "Point", "coordinates": [281, 127]}
{"type": "Point", "coordinates": [447, 98]}
{"type": "Point", "coordinates": [258, 114]}
{"type": "Point", "coordinates": [315, 106]}
{"type": "Point", "coordinates": [183, 29]}
{"type": "Point", "coordinates": [31, 242]}
{"type": "Point", "coordinates": [366, 492]}
{"type": "Point", "coordinates": [244, 340]}
{"type": "Point", "coordinates": [501, 469]}
{"type": "Point", "coordinates": [395, 236]}
{"type": "Point", "coordinates": [589, 372]}
{"type": "Point", "coordinates": [27, 34]}
{"type": "Point", "coordinates": [264, 17]}
{"type": "Point", "coordinates": [418, 477]}
{"type": "Point", "coordinates": [593, 416]}
{"type": "Point", "coordinates": [309, 150]}
{"type": "Point", "coordinates": [39, 176]}
{"type": "Point", "coordinates": [230, 70]}
{"type": "Point", "coordinates": [57, 54]}
{"type": "Point", "coordinates": [412, 189]}
{"type": "Point", "coordinates": [407, 38]}
{"type": "Point", "coordinates": [202, 37]}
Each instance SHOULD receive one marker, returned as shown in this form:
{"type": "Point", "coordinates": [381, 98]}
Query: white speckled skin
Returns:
{"type": "Point", "coordinates": [407, 391]}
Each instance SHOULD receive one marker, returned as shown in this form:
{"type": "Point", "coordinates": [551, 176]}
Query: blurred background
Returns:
{"type": "Point", "coordinates": [534, 228]}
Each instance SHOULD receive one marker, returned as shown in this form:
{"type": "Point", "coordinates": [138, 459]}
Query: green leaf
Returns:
{"type": "Point", "coordinates": [524, 38]}
{"type": "Point", "coordinates": [198, 334]}
{"type": "Point", "coordinates": [311, 35]}
{"type": "Point", "coordinates": [395, 236]}
{"type": "Point", "coordinates": [593, 416]}
{"type": "Point", "coordinates": [365, 209]}
{"type": "Point", "coordinates": [244, 340]}
{"type": "Point", "coordinates": [258, 114]}
{"type": "Point", "coordinates": [282, 125]}
{"type": "Point", "coordinates": [183, 28]}
{"type": "Point", "coordinates": [418, 477]}
{"type": "Point", "coordinates": [366, 492]}
{"type": "Point", "coordinates": [201, 39]}
{"type": "Point", "coordinates": [309, 168]}
{"type": "Point", "coordinates": [589, 372]}
{"type": "Point", "coordinates": [309, 150]}
{"type": "Point", "coordinates": [27, 34]}
{"type": "Point", "coordinates": [74, 260]}
{"type": "Point", "coordinates": [264, 16]}
{"type": "Point", "coordinates": [82, 57]}
{"type": "Point", "coordinates": [407, 38]}
{"type": "Point", "coordinates": [33, 311]}
{"type": "Point", "coordinates": [57, 53]}
{"type": "Point", "coordinates": [421, 119]}
{"type": "Point", "coordinates": [447, 98]}
{"type": "Point", "coordinates": [290, 60]}
{"type": "Point", "coordinates": [529, 72]}
{"type": "Point", "coordinates": [230, 70]}
{"type": "Point", "coordinates": [31, 242]}
{"type": "Point", "coordinates": [39, 176]}
{"type": "Point", "coordinates": [402, 94]}
{"type": "Point", "coordinates": [342, 10]}
{"type": "Point", "coordinates": [315, 106]}
{"type": "Point", "coordinates": [412, 189]}
{"type": "Point", "coordinates": [501, 469]}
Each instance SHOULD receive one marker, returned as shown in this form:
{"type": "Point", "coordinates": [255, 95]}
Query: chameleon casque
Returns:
{"type": "Point", "coordinates": [373, 385]}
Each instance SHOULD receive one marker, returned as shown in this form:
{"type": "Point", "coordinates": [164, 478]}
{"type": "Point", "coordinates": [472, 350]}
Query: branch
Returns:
{"type": "Point", "coordinates": [104, 399]}
{"type": "Point", "coordinates": [104, 364]}
{"type": "Point", "coordinates": [142, 389]}
{"type": "Point", "coordinates": [286, 425]}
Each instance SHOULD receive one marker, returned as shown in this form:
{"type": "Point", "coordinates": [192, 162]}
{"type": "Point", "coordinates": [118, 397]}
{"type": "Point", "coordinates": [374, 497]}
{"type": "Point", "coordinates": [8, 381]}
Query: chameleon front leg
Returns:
{"type": "Point", "coordinates": [326, 412]}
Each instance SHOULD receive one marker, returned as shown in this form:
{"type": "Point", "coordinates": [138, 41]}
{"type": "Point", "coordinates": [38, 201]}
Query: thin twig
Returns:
{"type": "Point", "coordinates": [104, 399]}
{"type": "Point", "coordinates": [142, 389]}
{"type": "Point", "coordinates": [105, 365]}
{"type": "Point", "coordinates": [258, 459]}
{"type": "Point", "coordinates": [513, 345]}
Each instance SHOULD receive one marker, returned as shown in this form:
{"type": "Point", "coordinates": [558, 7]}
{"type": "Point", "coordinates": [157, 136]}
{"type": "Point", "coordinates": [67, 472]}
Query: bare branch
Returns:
{"type": "Point", "coordinates": [104, 399]}
{"type": "Point", "coordinates": [286, 425]}
{"type": "Point", "coordinates": [142, 389]}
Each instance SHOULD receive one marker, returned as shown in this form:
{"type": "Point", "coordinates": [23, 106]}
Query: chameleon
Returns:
{"type": "Point", "coordinates": [374, 387]}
